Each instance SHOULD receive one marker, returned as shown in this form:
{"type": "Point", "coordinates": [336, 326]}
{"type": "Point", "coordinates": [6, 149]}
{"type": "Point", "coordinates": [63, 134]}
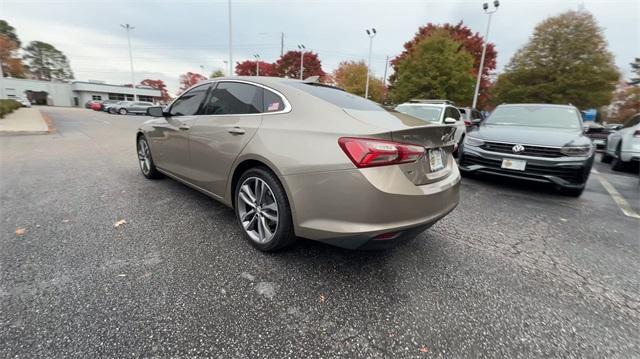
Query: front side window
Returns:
{"type": "Point", "coordinates": [189, 103]}
{"type": "Point", "coordinates": [423, 112]}
{"type": "Point", "coordinates": [234, 98]}
{"type": "Point", "coordinates": [535, 116]}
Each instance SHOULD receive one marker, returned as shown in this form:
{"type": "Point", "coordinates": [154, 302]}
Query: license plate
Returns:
{"type": "Point", "coordinates": [435, 160]}
{"type": "Point", "coordinates": [598, 142]}
{"type": "Point", "coordinates": [517, 165]}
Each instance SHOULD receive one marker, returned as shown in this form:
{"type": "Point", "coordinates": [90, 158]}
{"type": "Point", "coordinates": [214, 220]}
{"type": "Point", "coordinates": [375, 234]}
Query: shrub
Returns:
{"type": "Point", "coordinates": [8, 106]}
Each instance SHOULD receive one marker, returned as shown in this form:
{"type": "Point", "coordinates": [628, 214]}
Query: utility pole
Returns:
{"type": "Point", "coordinates": [386, 65]}
{"type": "Point", "coordinates": [371, 35]}
{"type": "Point", "coordinates": [1, 82]}
{"type": "Point", "coordinates": [128, 28]}
{"type": "Point", "coordinates": [230, 43]}
{"type": "Point", "coordinates": [302, 48]}
{"type": "Point", "coordinates": [257, 57]}
{"type": "Point", "coordinates": [485, 7]}
{"type": "Point", "coordinates": [281, 44]}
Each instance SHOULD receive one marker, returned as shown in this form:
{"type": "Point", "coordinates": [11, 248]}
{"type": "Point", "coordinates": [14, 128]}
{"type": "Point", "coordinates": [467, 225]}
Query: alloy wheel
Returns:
{"type": "Point", "coordinates": [144, 156]}
{"type": "Point", "coordinates": [257, 209]}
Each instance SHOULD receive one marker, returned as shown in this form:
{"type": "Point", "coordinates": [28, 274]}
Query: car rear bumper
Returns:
{"type": "Point", "coordinates": [628, 156]}
{"type": "Point", "coordinates": [567, 172]}
{"type": "Point", "coordinates": [371, 207]}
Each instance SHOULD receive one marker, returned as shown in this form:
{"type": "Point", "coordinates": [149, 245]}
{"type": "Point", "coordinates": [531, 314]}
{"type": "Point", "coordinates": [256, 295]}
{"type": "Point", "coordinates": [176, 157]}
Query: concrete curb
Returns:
{"type": "Point", "coordinates": [46, 120]}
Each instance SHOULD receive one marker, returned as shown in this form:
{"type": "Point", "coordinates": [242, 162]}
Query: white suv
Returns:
{"type": "Point", "coordinates": [623, 146]}
{"type": "Point", "coordinates": [436, 111]}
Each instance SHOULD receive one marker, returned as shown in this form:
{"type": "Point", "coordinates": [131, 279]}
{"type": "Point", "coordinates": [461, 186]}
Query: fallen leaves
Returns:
{"type": "Point", "coordinates": [20, 231]}
{"type": "Point", "coordinates": [119, 223]}
{"type": "Point", "coordinates": [323, 298]}
{"type": "Point", "coordinates": [424, 349]}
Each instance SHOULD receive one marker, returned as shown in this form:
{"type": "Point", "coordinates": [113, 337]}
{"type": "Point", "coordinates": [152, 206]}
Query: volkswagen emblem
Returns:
{"type": "Point", "coordinates": [517, 149]}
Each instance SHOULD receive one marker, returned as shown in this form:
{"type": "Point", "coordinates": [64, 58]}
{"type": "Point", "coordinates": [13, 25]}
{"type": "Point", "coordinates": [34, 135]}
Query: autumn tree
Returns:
{"type": "Point", "coordinates": [438, 67]}
{"type": "Point", "coordinates": [289, 65]}
{"type": "Point", "coordinates": [10, 32]}
{"type": "Point", "coordinates": [565, 61]}
{"type": "Point", "coordinates": [9, 61]}
{"type": "Point", "coordinates": [351, 76]}
{"type": "Point", "coordinates": [158, 85]}
{"type": "Point", "coordinates": [217, 73]}
{"type": "Point", "coordinates": [471, 42]}
{"type": "Point", "coordinates": [47, 63]}
{"type": "Point", "coordinates": [626, 97]}
{"type": "Point", "coordinates": [248, 68]}
{"type": "Point", "coordinates": [189, 79]}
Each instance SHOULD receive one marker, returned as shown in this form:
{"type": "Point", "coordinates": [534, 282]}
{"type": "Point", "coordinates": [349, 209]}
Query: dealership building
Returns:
{"type": "Point", "coordinates": [72, 94]}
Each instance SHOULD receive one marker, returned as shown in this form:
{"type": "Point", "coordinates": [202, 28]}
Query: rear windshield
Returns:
{"type": "Point", "coordinates": [338, 97]}
{"type": "Point", "coordinates": [426, 113]}
{"type": "Point", "coordinates": [535, 116]}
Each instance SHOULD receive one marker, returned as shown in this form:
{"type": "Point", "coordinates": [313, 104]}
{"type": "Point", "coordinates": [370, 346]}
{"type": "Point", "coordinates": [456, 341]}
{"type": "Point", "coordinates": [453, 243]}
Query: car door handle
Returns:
{"type": "Point", "coordinates": [184, 127]}
{"type": "Point", "coordinates": [236, 131]}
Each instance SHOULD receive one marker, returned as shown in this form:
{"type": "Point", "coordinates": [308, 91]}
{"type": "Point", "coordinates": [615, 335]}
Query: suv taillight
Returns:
{"type": "Point", "coordinates": [366, 152]}
{"type": "Point", "coordinates": [636, 134]}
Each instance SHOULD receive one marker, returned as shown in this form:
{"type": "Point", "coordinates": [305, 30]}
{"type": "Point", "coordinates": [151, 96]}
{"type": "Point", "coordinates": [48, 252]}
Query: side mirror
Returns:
{"type": "Point", "coordinates": [449, 121]}
{"type": "Point", "coordinates": [155, 111]}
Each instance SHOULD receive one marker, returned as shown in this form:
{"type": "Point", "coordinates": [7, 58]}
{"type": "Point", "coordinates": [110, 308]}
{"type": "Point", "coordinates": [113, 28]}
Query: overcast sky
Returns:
{"type": "Point", "coordinates": [175, 36]}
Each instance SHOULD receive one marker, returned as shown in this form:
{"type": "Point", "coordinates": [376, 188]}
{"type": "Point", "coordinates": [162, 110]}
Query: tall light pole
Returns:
{"type": "Point", "coordinates": [257, 57]}
{"type": "Point", "coordinates": [371, 33]}
{"type": "Point", "coordinates": [230, 43]}
{"type": "Point", "coordinates": [128, 28]}
{"type": "Point", "coordinates": [226, 66]}
{"type": "Point", "coordinates": [302, 48]}
{"type": "Point", "coordinates": [485, 7]}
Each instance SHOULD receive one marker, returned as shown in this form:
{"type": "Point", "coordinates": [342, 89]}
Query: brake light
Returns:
{"type": "Point", "coordinates": [468, 123]}
{"type": "Point", "coordinates": [636, 134]}
{"type": "Point", "coordinates": [365, 152]}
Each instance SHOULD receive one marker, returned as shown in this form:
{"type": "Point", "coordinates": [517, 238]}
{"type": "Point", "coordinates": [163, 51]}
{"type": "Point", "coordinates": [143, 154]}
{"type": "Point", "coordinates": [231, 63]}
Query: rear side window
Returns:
{"type": "Point", "coordinates": [452, 112]}
{"type": "Point", "coordinates": [234, 98]}
{"type": "Point", "coordinates": [189, 103]}
{"type": "Point", "coordinates": [272, 102]}
{"type": "Point", "coordinates": [338, 97]}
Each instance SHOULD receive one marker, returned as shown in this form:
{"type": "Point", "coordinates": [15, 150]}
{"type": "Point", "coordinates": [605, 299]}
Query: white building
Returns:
{"type": "Point", "coordinates": [76, 93]}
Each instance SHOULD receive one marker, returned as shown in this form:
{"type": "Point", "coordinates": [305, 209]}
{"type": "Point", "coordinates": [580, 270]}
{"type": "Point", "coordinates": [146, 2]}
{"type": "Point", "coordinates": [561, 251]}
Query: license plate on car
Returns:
{"type": "Point", "coordinates": [598, 142]}
{"type": "Point", "coordinates": [435, 159]}
{"type": "Point", "coordinates": [511, 164]}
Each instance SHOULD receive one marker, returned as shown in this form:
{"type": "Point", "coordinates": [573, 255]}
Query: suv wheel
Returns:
{"type": "Point", "coordinates": [123, 111]}
{"type": "Point", "coordinates": [573, 192]}
{"type": "Point", "coordinates": [263, 210]}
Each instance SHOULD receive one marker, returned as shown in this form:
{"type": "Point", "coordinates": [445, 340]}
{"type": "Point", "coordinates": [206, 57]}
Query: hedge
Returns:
{"type": "Point", "coordinates": [8, 106]}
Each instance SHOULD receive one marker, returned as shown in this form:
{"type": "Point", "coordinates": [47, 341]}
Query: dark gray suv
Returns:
{"type": "Point", "coordinates": [537, 142]}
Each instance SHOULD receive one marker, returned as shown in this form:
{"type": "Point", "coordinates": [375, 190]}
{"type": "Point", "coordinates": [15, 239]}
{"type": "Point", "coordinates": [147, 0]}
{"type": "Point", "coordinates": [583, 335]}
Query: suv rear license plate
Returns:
{"type": "Point", "coordinates": [435, 160]}
{"type": "Point", "coordinates": [517, 165]}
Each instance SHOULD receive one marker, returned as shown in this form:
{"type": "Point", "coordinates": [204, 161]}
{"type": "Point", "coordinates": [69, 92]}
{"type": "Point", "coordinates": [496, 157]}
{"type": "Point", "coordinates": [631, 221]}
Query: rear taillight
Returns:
{"type": "Point", "coordinates": [636, 134]}
{"type": "Point", "coordinates": [468, 123]}
{"type": "Point", "coordinates": [365, 152]}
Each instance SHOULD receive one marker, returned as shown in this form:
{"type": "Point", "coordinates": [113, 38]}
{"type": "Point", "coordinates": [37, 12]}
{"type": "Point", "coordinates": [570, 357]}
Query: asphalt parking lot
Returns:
{"type": "Point", "coordinates": [515, 271]}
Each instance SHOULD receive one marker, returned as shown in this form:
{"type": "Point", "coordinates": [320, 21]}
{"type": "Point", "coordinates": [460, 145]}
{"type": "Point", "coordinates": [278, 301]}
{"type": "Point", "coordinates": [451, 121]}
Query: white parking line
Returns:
{"type": "Point", "coordinates": [103, 121]}
{"type": "Point", "coordinates": [617, 197]}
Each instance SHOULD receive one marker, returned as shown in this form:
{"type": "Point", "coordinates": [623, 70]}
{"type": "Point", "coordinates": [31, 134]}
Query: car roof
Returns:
{"type": "Point", "coordinates": [536, 105]}
{"type": "Point", "coordinates": [424, 104]}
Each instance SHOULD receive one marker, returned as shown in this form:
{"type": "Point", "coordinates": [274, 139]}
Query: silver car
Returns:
{"type": "Point", "coordinates": [303, 159]}
{"type": "Point", "coordinates": [130, 107]}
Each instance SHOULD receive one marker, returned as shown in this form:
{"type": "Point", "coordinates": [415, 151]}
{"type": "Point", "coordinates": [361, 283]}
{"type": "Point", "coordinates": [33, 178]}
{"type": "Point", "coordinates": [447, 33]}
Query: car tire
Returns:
{"type": "Point", "coordinates": [112, 111]}
{"type": "Point", "coordinates": [458, 153]}
{"type": "Point", "coordinates": [573, 192]}
{"type": "Point", "coordinates": [266, 226]}
{"type": "Point", "coordinates": [606, 158]}
{"type": "Point", "coordinates": [145, 159]}
{"type": "Point", "coordinates": [122, 111]}
{"type": "Point", "coordinates": [617, 164]}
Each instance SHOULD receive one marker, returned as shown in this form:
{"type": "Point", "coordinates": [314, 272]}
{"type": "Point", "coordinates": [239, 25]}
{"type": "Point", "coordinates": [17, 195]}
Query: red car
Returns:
{"type": "Point", "coordinates": [96, 106]}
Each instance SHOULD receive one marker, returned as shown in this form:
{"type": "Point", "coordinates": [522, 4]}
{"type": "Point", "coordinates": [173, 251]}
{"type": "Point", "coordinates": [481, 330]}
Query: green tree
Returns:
{"type": "Point", "coordinates": [47, 63]}
{"type": "Point", "coordinates": [635, 68]}
{"type": "Point", "coordinates": [437, 68]}
{"type": "Point", "coordinates": [565, 61]}
{"type": "Point", "coordinates": [216, 73]}
{"type": "Point", "coordinates": [351, 76]}
{"type": "Point", "coordinates": [10, 32]}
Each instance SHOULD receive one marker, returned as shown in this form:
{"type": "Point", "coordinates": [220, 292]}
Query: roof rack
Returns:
{"type": "Point", "coordinates": [420, 100]}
